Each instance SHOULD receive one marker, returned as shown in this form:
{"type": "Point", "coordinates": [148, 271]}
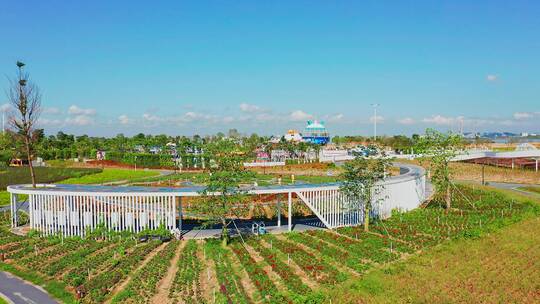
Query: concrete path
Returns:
{"type": "Point", "coordinates": [244, 226]}
{"type": "Point", "coordinates": [514, 187]}
{"type": "Point", "coordinates": [18, 291]}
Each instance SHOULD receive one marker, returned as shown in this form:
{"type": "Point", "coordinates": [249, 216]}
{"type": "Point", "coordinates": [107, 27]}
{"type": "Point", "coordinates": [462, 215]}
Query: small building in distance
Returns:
{"type": "Point", "coordinates": [316, 133]}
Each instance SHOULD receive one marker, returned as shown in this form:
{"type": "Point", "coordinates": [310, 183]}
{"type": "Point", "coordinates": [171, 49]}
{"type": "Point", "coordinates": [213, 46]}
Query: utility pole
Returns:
{"type": "Point", "coordinates": [375, 105]}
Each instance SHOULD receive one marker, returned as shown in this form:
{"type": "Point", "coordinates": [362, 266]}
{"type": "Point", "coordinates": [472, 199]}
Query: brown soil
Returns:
{"type": "Point", "coordinates": [162, 293]}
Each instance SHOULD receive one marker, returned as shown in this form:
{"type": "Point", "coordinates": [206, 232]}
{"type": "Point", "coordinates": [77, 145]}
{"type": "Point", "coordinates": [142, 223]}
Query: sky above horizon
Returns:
{"type": "Point", "coordinates": [200, 67]}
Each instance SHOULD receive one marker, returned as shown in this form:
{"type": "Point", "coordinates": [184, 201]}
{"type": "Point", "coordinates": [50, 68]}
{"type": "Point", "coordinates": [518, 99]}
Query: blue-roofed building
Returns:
{"type": "Point", "coordinates": [315, 132]}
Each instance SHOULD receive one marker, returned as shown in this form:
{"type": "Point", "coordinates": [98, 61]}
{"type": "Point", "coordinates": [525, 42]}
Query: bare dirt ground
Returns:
{"type": "Point", "coordinates": [162, 294]}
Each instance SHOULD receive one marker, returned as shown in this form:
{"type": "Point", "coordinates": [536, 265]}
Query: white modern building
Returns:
{"type": "Point", "coordinates": [75, 210]}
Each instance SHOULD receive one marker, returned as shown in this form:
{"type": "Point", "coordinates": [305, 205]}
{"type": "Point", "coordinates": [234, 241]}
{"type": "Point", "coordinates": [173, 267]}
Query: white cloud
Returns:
{"type": "Point", "coordinates": [492, 77]}
{"type": "Point", "coordinates": [523, 115]}
{"type": "Point", "coordinates": [75, 110]}
{"type": "Point", "coordinates": [300, 115]}
{"type": "Point", "coordinates": [406, 121]}
{"type": "Point", "coordinates": [377, 118]}
{"type": "Point", "coordinates": [52, 111]}
{"type": "Point", "coordinates": [124, 119]}
{"type": "Point", "coordinates": [439, 120]}
{"type": "Point", "coordinates": [249, 108]}
{"type": "Point", "coordinates": [335, 118]}
{"type": "Point", "coordinates": [5, 107]}
{"type": "Point", "coordinates": [80, 120]}
{"type": "Point", "coordinates": [49, 122]}
{"type": "Point", "coordinates": [151, 117]}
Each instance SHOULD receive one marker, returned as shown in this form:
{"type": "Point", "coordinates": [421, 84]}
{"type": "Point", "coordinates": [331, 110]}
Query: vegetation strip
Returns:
{"type": "Point", "coordinates": [185, 285]}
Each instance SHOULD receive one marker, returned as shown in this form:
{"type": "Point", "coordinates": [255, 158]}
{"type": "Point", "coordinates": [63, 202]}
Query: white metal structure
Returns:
{"type": "Point", "coordinates": [74, 210]}
{"type": "Point", "coordinates": [530, 153]}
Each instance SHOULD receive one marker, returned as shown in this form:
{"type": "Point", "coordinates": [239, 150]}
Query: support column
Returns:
{"type": "Point", "coordinates": [512, 164]}
{"type": "Point", "coordinates": [289, 218]}
{"type": "Point", "coordinates": [278, 211]}
{"type": "Point", "coordinates": [536, 167]}
{"type": "Point", "coordinates": [180, 213]}
{"type": "Point", "coordinates": [14, 215]}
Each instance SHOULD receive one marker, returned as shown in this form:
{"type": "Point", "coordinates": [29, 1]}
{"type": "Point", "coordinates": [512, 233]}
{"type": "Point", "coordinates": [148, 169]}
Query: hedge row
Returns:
{"type": "Point", "coordinates": [156, 160]}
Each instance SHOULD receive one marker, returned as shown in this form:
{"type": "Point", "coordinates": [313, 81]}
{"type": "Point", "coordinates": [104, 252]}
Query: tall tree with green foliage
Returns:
{"type": "Point", "coordinates": [440, 148]}
{"type": "Point", "coordinates": [222, 192]}
{"type": "Point", "coordinates": [361, 185]}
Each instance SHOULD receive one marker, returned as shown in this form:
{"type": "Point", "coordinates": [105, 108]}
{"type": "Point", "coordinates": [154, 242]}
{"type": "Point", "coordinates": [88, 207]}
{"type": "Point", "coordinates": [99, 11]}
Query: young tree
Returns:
{"type": "Point", "coordinates": [440, 148]}
{"type": "Point", "coordinates": [360, 183]}
{"type": "Point", "coordinates": [222, 192]}
{"type": "Point", "coordinates": [25, 98]}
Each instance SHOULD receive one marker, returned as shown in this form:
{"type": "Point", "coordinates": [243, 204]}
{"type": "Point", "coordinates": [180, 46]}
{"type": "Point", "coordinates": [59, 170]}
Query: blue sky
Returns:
{"type": "Point", "coordinates": [178, 67]}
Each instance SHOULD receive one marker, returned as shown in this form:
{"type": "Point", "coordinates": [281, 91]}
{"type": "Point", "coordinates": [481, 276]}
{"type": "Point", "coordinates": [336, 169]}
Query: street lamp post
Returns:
{"type": "Point", "coordinates": [375, 105]}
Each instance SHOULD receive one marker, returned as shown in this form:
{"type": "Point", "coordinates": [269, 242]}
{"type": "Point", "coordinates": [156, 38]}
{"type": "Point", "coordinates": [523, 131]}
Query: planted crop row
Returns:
{"type": "Point", "coordinates": [230, 288]}
{"type": "Point", "coordinates": [186, 286]}
{"type": "Point", "coordinates": [258, 276]}
{"type": "Point", "coordinates": [40, 260]}
{"type": "Point", "coordinates": [100, 286]}
{"type": "Point", "coordinates": [142, 286]}
{"type": "Point", "coordinates": [94, 263]}
{"type": "Point", "coordinates": [291, 280]}
{"type": "Point", "coordinates": [73, 259]}
{"type": "Point", "coordinates": [368, 247]}
{"type": "Point", "coordinates": [331, 252]}
{"type": "Point", "coordinates": [320, 270]}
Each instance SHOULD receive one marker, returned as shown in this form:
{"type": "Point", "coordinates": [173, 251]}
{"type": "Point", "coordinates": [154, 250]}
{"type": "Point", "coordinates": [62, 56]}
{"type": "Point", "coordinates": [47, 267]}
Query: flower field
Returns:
{"type": "Point", "coordinates": [289, 268]}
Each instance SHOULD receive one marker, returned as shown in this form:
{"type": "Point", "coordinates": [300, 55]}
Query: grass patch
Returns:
{"type": "Point", "coordinates": [21, 175]}
{"type": "Point", "coordinates": [111, 175]}
{"type": "Point", "coordinates": [54, 288]}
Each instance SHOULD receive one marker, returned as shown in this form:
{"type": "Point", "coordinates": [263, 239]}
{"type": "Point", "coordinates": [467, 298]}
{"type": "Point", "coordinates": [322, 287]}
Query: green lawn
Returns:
{"type": "Point", "coordinates": [21, 175]}
{"type": "Point", "coordinates": [111, 175]}
{"type": "Point", "coordinates": [4, 198]}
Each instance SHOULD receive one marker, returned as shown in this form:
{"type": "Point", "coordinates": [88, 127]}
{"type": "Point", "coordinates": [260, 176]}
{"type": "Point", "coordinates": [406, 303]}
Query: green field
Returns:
{"type": "Point", "coordinates": [21, 175]}
{"type": "Point", "coordinates": [260, 179]}
{"type": "Point", "coordinates": [485, 249]}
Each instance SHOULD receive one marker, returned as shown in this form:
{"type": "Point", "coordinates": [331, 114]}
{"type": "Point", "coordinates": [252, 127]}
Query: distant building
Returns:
{"type": "Point", "coordinates": [293, 135]}
{"type": "Point", "coordinates": [316, 133]}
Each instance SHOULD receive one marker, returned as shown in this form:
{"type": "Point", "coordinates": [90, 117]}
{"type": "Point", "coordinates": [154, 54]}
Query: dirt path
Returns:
{"type": "Point", "coordinates": [208, 278]}
{"type": "Point", "coordinates": [247, 285]}
{"type": "Point", "coordinates": [123, 284]}
{"type": "Point", "coordinates": [297, 270]}
{"type": "Point", "coordinates": [162, 294]}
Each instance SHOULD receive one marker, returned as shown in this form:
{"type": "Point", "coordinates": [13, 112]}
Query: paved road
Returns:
{"type": "Point", "coordinates": [18, 291]}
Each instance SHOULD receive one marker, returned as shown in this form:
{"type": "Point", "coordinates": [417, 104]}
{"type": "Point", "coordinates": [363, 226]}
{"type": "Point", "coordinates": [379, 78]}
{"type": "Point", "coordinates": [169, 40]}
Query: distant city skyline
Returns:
{"type": "Point", "coordinates": [185, 68]}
